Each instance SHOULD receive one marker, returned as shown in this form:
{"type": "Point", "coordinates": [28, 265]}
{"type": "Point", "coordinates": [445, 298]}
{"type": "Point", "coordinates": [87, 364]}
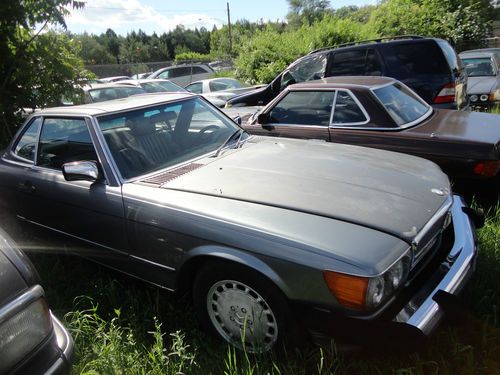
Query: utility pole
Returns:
{"type": "Point", "coordinates": [229, 29]}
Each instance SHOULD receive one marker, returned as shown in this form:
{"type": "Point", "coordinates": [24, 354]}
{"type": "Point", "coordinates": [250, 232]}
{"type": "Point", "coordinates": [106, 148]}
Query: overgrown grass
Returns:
{"type": "Point", "coordinates": [123, 326]}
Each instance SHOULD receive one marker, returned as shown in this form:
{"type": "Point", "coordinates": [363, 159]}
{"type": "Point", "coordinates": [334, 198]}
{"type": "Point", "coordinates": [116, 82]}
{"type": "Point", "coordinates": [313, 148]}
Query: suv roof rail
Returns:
{"type": "Point", "coordinates": [377, 40]}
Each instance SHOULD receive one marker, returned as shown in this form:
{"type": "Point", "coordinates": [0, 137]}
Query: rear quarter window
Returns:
{"type": "Point", "coordinates": [418, 58]}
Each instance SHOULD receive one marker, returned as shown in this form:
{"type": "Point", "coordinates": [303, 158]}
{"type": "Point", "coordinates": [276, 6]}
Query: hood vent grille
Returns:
{"type": "Point", "coordinates": [165, 177]}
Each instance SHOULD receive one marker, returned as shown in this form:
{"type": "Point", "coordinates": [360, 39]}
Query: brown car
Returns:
{"type": "Point", "coordinates": [383, 113]}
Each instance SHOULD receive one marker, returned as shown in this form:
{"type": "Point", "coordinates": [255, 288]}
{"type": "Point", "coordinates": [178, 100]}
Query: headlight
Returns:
{"type": "Point", "coordinates": [473, 98]}
{"type": "Point", "coordinates": [366, 293]}
{"type": "Point", "coordinates": [483, 98]}
{"type": "Point", "coordinates": [24, 324]}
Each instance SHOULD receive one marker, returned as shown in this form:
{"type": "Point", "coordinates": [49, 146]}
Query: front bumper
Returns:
{"type": "Point", "coordinates": [423, 311]}
{"type": "Point", "coordinates": [418, 316]}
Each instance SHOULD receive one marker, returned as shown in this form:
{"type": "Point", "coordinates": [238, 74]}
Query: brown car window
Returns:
{"type": "Point", "coordinates": [304, 108]}
{"type": "Point", "coordinates": [62, 141]}
{"type": "Point", "coordinates": [347, 111]}
{"type": "Point", "coordinates": [25, 147]}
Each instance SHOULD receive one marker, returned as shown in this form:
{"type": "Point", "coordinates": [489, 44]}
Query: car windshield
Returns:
{"type": "Point", "coordinates": [145, 140]}
{"type": "Point", "coordinates": [402, 104]}
{"type": "Point", "coordinates": [479, 67]}
{"type": "Point", "coordinates": [161, 86]}
{"type": "Point", "coordinates": [110, 93]}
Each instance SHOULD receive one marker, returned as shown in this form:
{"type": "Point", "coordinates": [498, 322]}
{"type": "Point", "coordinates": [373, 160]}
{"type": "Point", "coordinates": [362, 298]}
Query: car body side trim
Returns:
{"type": "Point", "coordinates": [71, 235]}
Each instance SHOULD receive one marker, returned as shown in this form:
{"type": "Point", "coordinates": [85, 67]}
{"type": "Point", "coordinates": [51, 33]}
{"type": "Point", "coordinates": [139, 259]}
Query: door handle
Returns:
{"type": "Point", "coordinates": [27, 186]}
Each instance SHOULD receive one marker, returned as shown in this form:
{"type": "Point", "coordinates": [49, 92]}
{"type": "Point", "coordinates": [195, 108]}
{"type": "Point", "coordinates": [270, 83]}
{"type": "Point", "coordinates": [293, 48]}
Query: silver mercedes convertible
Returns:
{"type": "Point", "coordinates": [273, 238]}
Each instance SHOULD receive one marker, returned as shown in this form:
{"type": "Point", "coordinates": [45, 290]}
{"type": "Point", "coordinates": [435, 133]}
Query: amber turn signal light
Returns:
{"type": "Point", "coordinates": [349, 290]}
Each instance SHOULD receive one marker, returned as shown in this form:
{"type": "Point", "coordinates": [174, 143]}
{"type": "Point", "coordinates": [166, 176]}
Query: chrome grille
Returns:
{"type": "Point", "coordinates": [427, 239]}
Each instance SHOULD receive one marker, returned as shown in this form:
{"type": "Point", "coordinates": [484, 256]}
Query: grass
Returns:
{"type": "Point", "coordinates": [124, 326]}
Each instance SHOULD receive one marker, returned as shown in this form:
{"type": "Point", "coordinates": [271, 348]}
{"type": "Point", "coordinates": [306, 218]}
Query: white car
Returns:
{"type": "Point", "coordinates": [219, 90]}
{"type": "Point", "coordinates": [184, 74]}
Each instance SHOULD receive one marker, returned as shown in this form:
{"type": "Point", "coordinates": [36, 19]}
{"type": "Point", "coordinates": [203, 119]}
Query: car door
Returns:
{"type": "Point", "coordinates": [299, 114]}
{"type": "Point", "coordinates": [92, 211]}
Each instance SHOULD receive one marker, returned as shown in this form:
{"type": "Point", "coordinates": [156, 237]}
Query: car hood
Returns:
{"type": "Point", "coordinates": [481, 85]}
{"type": "Point", "coordinates": [386, 191]}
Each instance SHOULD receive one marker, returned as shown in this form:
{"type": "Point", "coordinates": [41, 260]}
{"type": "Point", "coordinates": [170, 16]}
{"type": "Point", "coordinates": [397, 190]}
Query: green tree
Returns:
{"type": "Point", "coordinates": [94, 52]}
{"type": "Point", "coordinates": [36, 67]}
{"type": "Point", "coordinates": [307, 11]}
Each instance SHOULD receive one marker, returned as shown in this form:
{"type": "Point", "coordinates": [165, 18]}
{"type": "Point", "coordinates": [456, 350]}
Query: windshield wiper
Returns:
{"type": "Point", "coordinates": [238, 131]}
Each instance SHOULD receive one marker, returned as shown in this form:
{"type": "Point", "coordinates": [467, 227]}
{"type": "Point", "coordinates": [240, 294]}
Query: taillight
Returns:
{"type": "Point", "coordinates": [488, 168]}
{"type": "Point", "coordinates": [446, 95]}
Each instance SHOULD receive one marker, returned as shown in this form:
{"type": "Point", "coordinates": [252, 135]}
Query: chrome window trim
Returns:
{"type": "Point", "coordinates": [356, 100]}
{"type": "Point", "coordinates": [85, 118]}
{"type": "Point", "coordinates": [425, 116]}
{"type": "Point", "coordinates": [24, 129]}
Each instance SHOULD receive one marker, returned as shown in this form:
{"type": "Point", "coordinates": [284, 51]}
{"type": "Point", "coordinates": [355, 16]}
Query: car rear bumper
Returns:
{"type": "Point", "coordinates": [411, 322]}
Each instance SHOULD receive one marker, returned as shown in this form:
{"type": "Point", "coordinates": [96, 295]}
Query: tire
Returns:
{"type": "Point", "coordinates": [241, 307]}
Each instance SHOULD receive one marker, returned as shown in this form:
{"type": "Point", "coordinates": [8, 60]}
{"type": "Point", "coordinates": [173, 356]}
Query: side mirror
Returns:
{"type": "Point", "coordinates": [81, 170]}
{"type": "Point", "coordinates": [264, 118]}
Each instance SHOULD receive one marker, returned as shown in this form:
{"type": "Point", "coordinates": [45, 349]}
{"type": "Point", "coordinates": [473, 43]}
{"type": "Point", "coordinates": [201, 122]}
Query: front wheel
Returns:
{"type": "Point", "coordinates": [240, 306]}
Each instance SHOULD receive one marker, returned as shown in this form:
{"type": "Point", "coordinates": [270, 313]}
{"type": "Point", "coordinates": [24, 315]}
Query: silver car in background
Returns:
{"type": "Point", "coordinates": [272, 237]}
{"type": "Point", "coordinates": [483, 70]}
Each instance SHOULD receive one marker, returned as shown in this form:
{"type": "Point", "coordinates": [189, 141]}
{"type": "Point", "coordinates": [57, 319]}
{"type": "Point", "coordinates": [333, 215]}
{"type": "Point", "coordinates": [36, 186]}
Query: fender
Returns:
{"type": "Point", "coordinates": [233, 255]}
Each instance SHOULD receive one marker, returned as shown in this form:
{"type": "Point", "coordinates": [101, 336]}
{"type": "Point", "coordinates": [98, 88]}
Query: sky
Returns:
{"type": "Point", "coordinates": [162, 16]}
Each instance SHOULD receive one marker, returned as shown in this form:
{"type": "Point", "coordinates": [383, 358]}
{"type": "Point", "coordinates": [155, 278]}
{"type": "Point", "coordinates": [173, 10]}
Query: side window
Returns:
{"type": "Point", "coordinates": [195, 87]}
{"type": "Point", "coordinates": [182, 71]}
{"type": "Point", "coordinates": [25, 147]}
{"type": "Point", "coordinates": [304, 108]}
{"type": "Point", "coordinates": [373, 65]}
{"type": "Point", "coordinates": [198, 70]}
{"type": "Point", "coordinates": [308, 69]}
{"type": "Point", "coordinates": [165, 75]}
{"type": "Point", "coordinates": [348, 63]}
{"type": "Point", "coordinates": [347, 111]}
{"type": "Point", "coordinates": [63, 141]}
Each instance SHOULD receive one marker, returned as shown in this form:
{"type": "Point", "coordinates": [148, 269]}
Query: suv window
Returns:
{"type": "Point", "coordinates": [166, 74]}
{"type": "Point", "coordinates": [198, 70]}
{"type": "Point", "coordinates": [421, 58]}
{"type": "Point", "coordinates": [25, 147]}
{"type": "Point", "coordinates": [348, 63]}
{"type": "Point", "coordinates": [304, 108]}
{"type": "Point", "coordinates": [347, 111]}
{"type": "Point", "coordinates": [357, 62]}
{"type": "Point", "coordinates": [63, 141]}
{"type": "Point", "coordinates": [449, 53]}
{"type": "Point", "coordinates": [308, 69]}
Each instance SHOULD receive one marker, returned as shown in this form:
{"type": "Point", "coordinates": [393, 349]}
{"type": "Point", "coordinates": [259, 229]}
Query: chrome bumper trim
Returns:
{"type": "Point", "coordinates": [460, 261]}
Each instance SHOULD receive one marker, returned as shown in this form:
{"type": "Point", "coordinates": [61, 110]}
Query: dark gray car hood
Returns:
{"type": "Point", "coordinates": [481, 85]}
{"type": "Point", "coordinates": [383, 190]}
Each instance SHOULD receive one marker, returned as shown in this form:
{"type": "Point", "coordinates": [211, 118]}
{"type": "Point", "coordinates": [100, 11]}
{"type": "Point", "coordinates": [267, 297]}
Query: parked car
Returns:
{"type": "Point", "coordinates": [264, 232]}
{"type": "Point", "coordinates": [32, 339]}
{"type": "Point", "coordinates": [109, 91]}
{"type": "Point", "coordinates": [429, 66]}
{"type": "Point", "coordinates": [184, 74]}
{"type": "Point", "coordinates": [383, 113]}
{"type": "Point", "coordinates": [483, 77]}
{"type": "Point", "coordinates": [154, 85]}
{"type": "Point", "coordinates": [219, 90]}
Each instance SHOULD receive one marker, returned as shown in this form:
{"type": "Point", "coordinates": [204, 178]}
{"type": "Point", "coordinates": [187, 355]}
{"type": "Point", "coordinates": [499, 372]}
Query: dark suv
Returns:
{"type": "Point", "coordinates": [429, 66]}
